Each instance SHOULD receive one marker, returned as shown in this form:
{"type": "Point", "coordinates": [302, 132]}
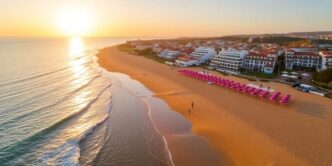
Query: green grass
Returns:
{"type": "Point", "coordinates": [126, 47]}
{"type": "Point", "coordinates": [154, 57]}
{"type": "Point", "coordinates": [323, 79]}
{"type": "Point", "coordinates": [281, 40]}
{"type": "Point", "coordinates": [323, 85]}
{"type": "Point", "coordinates": [147, 53]}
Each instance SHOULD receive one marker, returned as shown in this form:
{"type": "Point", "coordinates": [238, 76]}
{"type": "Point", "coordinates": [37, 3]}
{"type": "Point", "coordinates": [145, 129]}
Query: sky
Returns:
{"type": "Point", "coordinates": [162, 18]}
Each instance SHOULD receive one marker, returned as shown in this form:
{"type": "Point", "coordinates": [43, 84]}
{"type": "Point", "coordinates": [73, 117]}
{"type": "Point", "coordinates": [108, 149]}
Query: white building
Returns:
{"type": "Point", "coordinates": [189, 45]}
{"type": "Point", "coordinates": [302, 60]}
{"type": "Point", "coordinates": [143, 46]}
{"type": "Point", "coordinates": [203, 54]}
{"type": "Point", "coordinates": [185, 61]}
{"type": "Point", "coordinates": [169, 54]}
{"type": "Point", "coordinates": [261, 61]}
{"type": "Point", "coordinates": [230, 60]}
{"type": "Point", "coordinates": [326, 59]}
{"type": "Point", "coordinates": [199, 56]}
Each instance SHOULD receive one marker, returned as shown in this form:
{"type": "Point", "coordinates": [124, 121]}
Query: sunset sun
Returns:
{"type": "Point", "coordinates": [75, 22]}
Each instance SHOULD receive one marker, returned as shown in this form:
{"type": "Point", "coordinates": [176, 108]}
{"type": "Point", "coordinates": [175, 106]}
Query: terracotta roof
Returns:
{"type": "Point", "coordinates": [185, 58]}
{"type": "Point", "coordinates": [188, 51]}
{"type": "Point", "coordinates": [262, 53]}
{"type": "Point", "coordinates": [327, 54]}
{"type": "Point", "coordinates": [307, 53]}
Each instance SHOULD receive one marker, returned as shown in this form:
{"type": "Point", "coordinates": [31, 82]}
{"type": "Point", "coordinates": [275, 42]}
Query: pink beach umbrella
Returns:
{"type": "Point", "coordinates": [285, 99]}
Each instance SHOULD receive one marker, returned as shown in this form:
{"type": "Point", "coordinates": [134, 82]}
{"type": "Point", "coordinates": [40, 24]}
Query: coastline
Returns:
{"type": "Point", "coordinates": [254, 132]}
{"type": "Point", "coordinates": [169, 127]}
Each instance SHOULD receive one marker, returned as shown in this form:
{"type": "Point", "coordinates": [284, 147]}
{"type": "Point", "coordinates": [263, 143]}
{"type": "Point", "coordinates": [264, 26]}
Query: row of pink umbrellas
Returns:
{"type": "Point", "coordinates": [243, 88]}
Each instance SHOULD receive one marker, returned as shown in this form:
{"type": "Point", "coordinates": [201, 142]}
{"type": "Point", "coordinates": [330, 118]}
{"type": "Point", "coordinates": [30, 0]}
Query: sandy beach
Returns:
{"type": "Point", "coordinates": [247, 130]}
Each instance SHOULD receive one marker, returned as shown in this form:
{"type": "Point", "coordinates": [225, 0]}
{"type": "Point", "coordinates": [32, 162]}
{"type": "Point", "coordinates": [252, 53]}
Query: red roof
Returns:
{"type": "Point", "coordinates": [185, 58]}
{"type": "Point", "coordinates": [189, 51]}
{"type": "Point", "coordinates": [290, 50]}
{"type": "Point", "coordinates": [327, 54]}
{"type": "Point", "coordinates": [307, 53]}
{"type": "Point", "coordinates": [261, 53]}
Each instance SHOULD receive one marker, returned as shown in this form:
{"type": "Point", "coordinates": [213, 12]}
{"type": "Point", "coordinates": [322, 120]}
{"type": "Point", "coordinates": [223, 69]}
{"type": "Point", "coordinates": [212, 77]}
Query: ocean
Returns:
{"type": "Point", "coordinates": [58, 107]}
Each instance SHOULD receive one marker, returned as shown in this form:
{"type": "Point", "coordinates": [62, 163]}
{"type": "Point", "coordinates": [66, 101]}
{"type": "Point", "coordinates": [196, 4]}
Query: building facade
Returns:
{"type": "Point", "coordinates": [186, 61]}
{"type": "Point", "coordinates": [302, 60]}
{"type": "Point", "coordinates": [203, 54]}
{"type": "Point", "coordinates": [169, 54]}
{"type": "Point", "coordinates": [260, 61]}
{"type": "Point", "coordinates": [229, 60]}
{"type": "Point", "coordinates": [199, 56]}
{"type": "Point", "coordinates": [326, 59]}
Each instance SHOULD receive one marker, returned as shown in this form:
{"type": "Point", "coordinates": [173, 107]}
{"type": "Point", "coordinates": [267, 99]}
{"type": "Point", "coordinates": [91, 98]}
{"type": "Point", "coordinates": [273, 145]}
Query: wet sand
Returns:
{"type": "Point", "coordinates": [247, 130]}
{"type": "Point", "coordinates": [137, 131]}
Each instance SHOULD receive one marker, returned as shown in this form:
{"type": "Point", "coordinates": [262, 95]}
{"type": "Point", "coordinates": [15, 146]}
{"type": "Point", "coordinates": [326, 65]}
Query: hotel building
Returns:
{"type": "Point", "coordinates": [229, 60]}
{"type": "Point", "coordinates": [302, 60]}
{"type": "Point", "coordinates": [169, 54]}
{"type": "Point", "coordinates": [199, 56]}
{"type": "Point", "coordinates": [260, 61]}
{"type": "Point", "coordinates": [326, 59]}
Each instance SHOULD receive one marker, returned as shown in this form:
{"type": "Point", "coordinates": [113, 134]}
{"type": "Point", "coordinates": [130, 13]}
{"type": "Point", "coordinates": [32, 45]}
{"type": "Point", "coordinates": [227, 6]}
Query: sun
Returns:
{"type": "Point", "coordinates": [75, 21]}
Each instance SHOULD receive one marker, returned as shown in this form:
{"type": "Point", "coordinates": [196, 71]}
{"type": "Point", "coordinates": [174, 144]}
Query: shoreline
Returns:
{"type": "Point", "coordinates": [254, 132]}
{"type": "Point", "coordinates": [175, 126]}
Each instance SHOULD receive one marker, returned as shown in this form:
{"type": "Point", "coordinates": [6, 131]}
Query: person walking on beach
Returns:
{"type": "Point", "coordinates": [192, 105]}
{"type": "Point", "coordinates": [189, 111]}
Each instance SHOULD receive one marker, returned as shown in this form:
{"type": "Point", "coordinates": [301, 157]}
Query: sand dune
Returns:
{"type": "Point", "coordinates": [248, 130]}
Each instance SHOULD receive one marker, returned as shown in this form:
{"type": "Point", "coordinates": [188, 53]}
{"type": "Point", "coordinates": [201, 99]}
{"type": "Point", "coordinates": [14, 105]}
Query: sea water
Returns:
{"type": "Point", "coordinates": [57, 107]}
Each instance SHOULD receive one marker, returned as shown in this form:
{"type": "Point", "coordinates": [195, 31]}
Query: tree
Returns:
{"type": "Point", "coordinates": [280, 63]}
{"type": "Point", "coordinates": [241, 70]}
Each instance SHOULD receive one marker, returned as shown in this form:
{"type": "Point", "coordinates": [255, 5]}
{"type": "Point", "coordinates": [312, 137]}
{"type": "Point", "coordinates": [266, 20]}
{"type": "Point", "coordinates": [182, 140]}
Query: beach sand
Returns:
{"type": "Point", "coordinates": [247, 130]}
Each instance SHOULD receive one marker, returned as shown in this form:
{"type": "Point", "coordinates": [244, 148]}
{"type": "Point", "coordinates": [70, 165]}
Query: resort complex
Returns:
{"type": "Point", "coordinates": [292, 63]}
{"type": "Point", "coordinates": [234, 57]}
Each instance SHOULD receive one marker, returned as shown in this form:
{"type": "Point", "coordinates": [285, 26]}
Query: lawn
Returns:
{"type": "Point", "coordinates": [148, 53]}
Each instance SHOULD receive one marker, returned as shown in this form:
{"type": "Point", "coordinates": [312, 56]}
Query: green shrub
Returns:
{"type": "Point", "coordinates": [324, 76]}
{"type": "Point", "coordinates": [329, 95]}
{"type": "Point", "coordinates": [125, 47]}
{"type": "Point", "coordinates": [329, 85]}
{"type": "Point", "coordinates": [265, 80]}
{"type": "Point", "coordinates": [250, 79]}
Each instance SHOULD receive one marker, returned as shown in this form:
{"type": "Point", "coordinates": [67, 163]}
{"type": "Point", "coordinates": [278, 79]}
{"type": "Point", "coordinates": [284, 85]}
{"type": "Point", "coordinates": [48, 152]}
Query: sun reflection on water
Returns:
{"type": "Point", "coordinates": [78, 64]}
{"type": "Point", "coordinates": [76, 51]}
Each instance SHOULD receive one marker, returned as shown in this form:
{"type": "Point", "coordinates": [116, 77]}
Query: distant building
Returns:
{"type": "Point", "coordinates": [326, 59]}
{"type": "Point", "coordinates": [230, 60]}
{"type": "Point", "coordinates": [260, 61]}
{"type": "Point", "coordinates": [325, 47]}
{"type": "Point", "coordinates": [143, 46]}
{"type": "Point", "coordinates": [189, 45]}
{"type": "Point", "coordinates": [302, 60]}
